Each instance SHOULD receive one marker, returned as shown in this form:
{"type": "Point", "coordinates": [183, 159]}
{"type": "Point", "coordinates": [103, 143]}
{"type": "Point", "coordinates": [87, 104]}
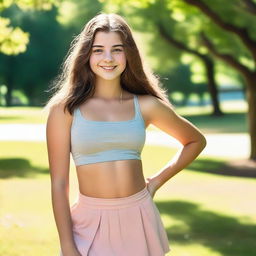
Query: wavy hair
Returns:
{"type": "Point", "coordinates": [76, 82]}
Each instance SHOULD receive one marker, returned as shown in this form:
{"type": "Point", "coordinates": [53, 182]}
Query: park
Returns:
{"type": "Point", "coordinates": [205, 60]}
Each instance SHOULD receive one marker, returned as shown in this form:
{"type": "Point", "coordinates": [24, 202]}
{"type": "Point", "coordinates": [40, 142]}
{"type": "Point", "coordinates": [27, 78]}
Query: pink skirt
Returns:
{"type": "Point", "coordinates": [126, 226]}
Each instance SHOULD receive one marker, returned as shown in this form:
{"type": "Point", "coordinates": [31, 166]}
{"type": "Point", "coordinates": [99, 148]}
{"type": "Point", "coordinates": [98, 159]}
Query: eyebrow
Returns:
{"type": "Point", "coordinates": [116, 45]}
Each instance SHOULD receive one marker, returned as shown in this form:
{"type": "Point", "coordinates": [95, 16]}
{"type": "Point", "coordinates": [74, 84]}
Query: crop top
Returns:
{"type": "Point", "coordinates": [101, 141]}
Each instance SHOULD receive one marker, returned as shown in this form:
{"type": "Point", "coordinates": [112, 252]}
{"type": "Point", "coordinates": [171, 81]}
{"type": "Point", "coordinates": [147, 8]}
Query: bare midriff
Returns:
{"type": "Point", "coordinates": [111, 179]}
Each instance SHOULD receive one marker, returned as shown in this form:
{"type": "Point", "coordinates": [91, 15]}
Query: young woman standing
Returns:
{"type": "Point", "coordinates": [104, 102]}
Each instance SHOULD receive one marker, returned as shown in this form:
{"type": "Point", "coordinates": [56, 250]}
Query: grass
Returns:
{"type": "Point", "coordinates": [10, 115]}
{"type": "Point", "coordinates": [203, 213]}
{"type": "Point", "coordinates": [234, 119]}
{"type": "Point", "coordinates": [230, 123]}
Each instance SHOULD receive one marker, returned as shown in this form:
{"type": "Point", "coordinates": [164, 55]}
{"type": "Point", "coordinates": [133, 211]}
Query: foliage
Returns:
{"type": "Point", "coordinates": [32, 70]}
{"type": "Point", "coordinates": [185, 23]}
{"type": "Point", "coordinates": [13, 40]}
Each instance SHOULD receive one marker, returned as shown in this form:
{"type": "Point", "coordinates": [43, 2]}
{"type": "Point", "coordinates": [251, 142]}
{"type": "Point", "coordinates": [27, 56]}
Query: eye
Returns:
{"type": "Point", "coordinates": [97, 50]}
{"type": "Point", "coordinates": [118, 50]}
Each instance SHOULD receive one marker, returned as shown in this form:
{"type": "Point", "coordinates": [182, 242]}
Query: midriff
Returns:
{"type": "Point", "coordinates": [111, 179]}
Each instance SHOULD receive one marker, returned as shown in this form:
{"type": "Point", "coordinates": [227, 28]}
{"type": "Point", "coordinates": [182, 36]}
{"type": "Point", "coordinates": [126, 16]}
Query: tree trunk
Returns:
{"type": "Point", "coordinates": [209, 64]}
{"type": "Point", "coordinates": [8, 96]}
{"type": "Point", "coordinates": [212, 86]}
{"type": "Point", "coordinates": [251, 97]}
{"type": "Point", "coordinates": [9, 81]}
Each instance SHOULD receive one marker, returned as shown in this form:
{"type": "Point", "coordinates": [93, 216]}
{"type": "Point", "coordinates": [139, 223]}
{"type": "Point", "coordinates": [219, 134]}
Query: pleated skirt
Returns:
{"type": "Point", "coordinates": [126, 226]}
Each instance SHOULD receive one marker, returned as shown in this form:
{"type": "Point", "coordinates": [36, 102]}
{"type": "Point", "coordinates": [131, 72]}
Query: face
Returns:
{"type": "Point", "coordinates": [107, 59]}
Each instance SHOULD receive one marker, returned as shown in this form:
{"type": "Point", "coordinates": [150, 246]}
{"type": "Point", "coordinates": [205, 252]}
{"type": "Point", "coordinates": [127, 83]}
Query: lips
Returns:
{"type": "Point", "coordinates": [108, 67]}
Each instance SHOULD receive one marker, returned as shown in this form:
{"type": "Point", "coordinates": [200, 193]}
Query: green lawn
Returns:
{"type": "Point", "coordinates": [233, 121]}
{"type": "Point", "coordinates": [203, 213]}
{"type": "Point", "coordinates": [22, 115]}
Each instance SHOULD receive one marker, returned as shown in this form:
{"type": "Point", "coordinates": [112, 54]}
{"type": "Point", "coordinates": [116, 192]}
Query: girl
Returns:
{"type": "Point", "coordinates": [104, 102]}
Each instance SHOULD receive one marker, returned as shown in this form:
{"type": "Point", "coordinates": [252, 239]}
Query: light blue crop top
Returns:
{"type": "Point", "coordinates": [101, 141]}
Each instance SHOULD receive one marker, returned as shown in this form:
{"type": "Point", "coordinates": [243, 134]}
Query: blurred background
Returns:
{"type": "Point", "coordinates": [204, 53]}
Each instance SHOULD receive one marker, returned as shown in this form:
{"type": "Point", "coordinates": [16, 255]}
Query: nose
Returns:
{"type": "Point", "coordinates": [108, 56]}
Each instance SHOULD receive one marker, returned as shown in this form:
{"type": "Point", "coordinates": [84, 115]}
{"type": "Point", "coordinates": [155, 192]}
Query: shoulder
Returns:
{"type": "Point", "coordinates": [58, 110]}
{"type": "Point", "coordinates": [151, 101]}
{"type": "Point", "coordinates": [153, 107]}
{"type": "Point", "coordinates": [58, 115]}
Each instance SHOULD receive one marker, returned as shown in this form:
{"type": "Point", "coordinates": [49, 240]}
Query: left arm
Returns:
{"type": "Point", "coordinates": [164, 117]}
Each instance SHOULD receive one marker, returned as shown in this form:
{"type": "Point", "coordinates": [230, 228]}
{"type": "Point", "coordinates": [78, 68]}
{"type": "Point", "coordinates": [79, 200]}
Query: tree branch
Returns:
{"type": "Point", "coordinates": [175, 42]}
{"type": "Point", "coordinates": [241, 32]}
{"type": "Point", "coordinates": [225, 57]}
{"type": "Point", "coordinates": [249, 6]}
{"type": "Point", "coordinates": [206, 59]}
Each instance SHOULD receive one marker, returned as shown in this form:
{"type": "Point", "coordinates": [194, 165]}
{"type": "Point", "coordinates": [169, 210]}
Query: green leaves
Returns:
{"type": "Point", "coordinates": [12, 40]}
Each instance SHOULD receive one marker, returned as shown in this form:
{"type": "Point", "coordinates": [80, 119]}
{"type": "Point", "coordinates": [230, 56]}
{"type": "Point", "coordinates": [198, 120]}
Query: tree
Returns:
{"type": "Point", "coordinates": [51, 32]}
{"type": "Point", "coordinates": [165, 26]}
{"type": "Point", "coordinates": [237, 18]}
{"type": "Point", "coordinates": [13, 40]}
{"type": "Point", "coordinates": [32, 70]}
{"type": "Point", "coordinates": [179, 38]}
{"type": "Point", "coordinates": [224, 31]}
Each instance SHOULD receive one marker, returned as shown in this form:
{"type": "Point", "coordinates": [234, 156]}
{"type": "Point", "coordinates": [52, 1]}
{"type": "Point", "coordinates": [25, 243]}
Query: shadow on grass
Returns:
{"type": "Point", "coordinates": [11, 118]}
{"type": "Point", "coordinates": [19, 167]}
{"type": "Point", "coordinates": [222, 233]}
{"type": "Point", "coordinates": [220, 167]}
{"type": "Point", "coordinates": [228, 123]}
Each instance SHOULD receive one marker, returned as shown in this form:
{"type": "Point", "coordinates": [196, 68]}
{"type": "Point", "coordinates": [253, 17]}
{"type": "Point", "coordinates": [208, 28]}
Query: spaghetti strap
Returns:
{"type": "Point", "coordinates": [137, 109]}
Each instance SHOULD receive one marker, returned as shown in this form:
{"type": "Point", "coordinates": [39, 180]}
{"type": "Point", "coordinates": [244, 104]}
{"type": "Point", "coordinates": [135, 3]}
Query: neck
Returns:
{"type": "Point", "coordinates": [109, 90]}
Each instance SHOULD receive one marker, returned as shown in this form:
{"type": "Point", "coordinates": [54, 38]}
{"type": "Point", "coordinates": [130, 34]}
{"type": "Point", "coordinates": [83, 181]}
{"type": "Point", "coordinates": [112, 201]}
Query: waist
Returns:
{"type": "Point", "coordinates": [111, 179]}
{"type": "Point", "coordinates": [110, 203]}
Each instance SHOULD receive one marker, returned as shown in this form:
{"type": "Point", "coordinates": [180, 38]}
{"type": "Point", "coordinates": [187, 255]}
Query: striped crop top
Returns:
{"type": "Point", "coordinates": [101, 141]}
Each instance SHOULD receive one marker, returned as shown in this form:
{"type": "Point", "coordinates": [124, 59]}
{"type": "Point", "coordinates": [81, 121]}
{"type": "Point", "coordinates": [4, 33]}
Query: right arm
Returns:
{"type": "Point", "coordinates": [58, 147]}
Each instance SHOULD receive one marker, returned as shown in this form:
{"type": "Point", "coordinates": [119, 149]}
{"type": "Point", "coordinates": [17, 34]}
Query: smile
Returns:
{"type": "Point", "coordinates": [108, 67]}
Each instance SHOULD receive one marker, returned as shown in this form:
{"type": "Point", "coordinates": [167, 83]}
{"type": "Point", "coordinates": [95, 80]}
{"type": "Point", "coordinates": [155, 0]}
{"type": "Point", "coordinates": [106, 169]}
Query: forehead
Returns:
{"type": "Point", "coordinates": [107, 38]}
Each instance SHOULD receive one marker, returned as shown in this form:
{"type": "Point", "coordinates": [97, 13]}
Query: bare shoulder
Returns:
{"type": "Point", "coordinates": [152, 102]}
{"type": "Point", "coordinates": [58, 110]}
{"type": "Point", "coordinates": [58, 115]}
{"type": "Point", "coordinates": [58, 126]}
{"type": "Point", "coordinates": [151, 106]}
{"type": "Point", "coordinates": [160, 114]}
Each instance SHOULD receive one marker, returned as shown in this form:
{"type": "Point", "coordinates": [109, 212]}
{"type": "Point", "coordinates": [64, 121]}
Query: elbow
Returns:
{"type": "Point", "coordinates": [203, 142]}
{"type": "Point", "coordinates": [199, 141]}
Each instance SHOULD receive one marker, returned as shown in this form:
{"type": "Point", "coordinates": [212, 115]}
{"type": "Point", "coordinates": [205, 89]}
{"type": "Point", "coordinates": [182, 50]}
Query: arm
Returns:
{"type": "Point", "coordinates": [58, 147]}
{"type": "Point", "coordinates": [163, 116]}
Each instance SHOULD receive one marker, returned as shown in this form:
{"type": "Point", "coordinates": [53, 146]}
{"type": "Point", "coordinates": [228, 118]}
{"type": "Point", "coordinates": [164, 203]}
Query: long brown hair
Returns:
{"type": "Point", "coordinates": [76, 82]}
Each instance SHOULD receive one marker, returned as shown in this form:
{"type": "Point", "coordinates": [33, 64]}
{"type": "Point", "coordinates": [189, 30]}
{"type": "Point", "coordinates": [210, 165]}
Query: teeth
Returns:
{"type": "Point", "coordinates": [109, 68]}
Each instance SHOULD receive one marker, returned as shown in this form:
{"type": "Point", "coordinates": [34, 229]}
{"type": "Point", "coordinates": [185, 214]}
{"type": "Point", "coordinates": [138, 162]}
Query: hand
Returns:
{"type": "Point", "coordinates": [151, 186]}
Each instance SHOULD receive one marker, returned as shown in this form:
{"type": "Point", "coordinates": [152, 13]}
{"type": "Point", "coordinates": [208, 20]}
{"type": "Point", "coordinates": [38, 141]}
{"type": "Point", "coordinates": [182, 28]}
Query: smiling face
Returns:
{"type": "Point", "coordinates": [107, 59]}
